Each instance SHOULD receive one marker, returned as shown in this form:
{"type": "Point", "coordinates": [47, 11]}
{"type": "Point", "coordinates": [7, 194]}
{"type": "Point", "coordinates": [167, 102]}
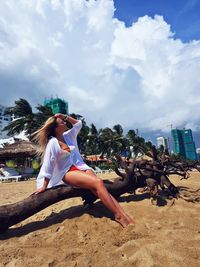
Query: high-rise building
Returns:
{"type": "Point", "coordinates": [57, 105]}
{"type": "Point", "coordinates": [183, 143]}
{"type": "Point", "coordinates": [198, 153]}
{"type": "Point", "coordinates": [4, 121]}
{"type": "Point", "coordinates": [162, 141]}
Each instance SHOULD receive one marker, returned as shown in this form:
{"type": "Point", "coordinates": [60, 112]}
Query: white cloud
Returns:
{"type": "Point", "coordinates": [139, 76]}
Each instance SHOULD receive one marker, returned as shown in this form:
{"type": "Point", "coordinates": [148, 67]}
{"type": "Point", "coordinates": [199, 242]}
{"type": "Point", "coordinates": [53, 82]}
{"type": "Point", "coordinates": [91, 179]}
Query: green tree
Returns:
{"type": "Point", "coordinates": [105, 137]}
{"type": "Point", "coordinates": [160, 150]}
{"type": "Point", "coordinates": [92, 141]}
{"type": "Point", "coordinates": [137, 142]}
{"type": "Point", "coordinates": [122, 144]}
{"type": "Point", "coordinates": [148, 145]}
{"type": "Point", "coordinates": [83, 135]}
{"type": "Point", "coordinates": [118, 129]}
{"type": "Point", "coordinates": [111, 142]}
{"type": "Point", "coordinates": [25, 119]}
{"type": "Point", "coordinates": [42, 115]}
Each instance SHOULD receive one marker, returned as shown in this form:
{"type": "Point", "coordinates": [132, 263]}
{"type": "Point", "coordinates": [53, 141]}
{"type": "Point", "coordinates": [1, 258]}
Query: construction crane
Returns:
{"type": "Point", "coordinates": [170, 125]}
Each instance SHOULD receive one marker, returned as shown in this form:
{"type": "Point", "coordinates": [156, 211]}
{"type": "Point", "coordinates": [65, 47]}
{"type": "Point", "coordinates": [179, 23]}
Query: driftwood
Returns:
{"type": "Point", "coordinates": [12, 214]}
{"type": "Point", "coordinates": [152, 175]}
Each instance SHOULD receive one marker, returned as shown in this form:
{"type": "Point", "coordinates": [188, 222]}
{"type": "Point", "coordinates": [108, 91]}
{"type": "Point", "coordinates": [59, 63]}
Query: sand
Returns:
{"type": "Point", "coordinates": [65, 234]}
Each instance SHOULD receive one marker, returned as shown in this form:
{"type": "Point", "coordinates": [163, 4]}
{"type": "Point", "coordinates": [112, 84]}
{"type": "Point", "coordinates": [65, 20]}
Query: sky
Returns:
{"type": "Point", "coordinates": [133, 62]}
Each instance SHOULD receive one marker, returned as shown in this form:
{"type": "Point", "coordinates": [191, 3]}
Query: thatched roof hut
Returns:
{"type": "Point", "coordinates": [18, 149]}
{"type": "Point", "coordinates": [96, 159]}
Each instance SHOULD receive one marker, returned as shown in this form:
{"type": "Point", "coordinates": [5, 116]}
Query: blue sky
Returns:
{"type": "Point", "coordinates": [182, 15]}
{"type": "Point", "coordinates": [135, 63]}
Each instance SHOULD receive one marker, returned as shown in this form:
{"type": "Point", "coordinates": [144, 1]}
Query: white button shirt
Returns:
{"type": "Point", "coordinates": [58, 161]}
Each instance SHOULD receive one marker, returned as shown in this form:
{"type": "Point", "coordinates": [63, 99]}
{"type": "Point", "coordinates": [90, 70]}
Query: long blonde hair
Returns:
{"type": "Point", "coordinates": [42, 135]}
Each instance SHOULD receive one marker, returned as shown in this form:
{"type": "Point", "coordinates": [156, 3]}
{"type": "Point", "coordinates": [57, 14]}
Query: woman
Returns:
{"type": "Point", "coordinates": [62, 163]}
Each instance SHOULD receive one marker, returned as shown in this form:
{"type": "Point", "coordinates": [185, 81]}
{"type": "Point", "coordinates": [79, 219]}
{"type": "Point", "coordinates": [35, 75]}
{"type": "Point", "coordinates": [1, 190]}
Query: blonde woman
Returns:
{"type": "Point", "coordinates": [62, 163]}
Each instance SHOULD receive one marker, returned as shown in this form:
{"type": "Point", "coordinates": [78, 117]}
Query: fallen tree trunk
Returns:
{"type": "Point", "coordinates": [12, 214]}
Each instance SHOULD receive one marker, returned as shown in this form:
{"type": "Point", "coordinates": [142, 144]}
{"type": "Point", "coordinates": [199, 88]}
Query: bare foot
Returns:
{"type": "Point", "coordinates": [131, 221]}
{"type": "Point", "coordinates": [125, 221]}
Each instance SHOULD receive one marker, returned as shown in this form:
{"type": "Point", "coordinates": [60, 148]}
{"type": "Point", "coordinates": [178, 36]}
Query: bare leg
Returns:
{"type": "Point", "coordinates": [95, 184]}
{"type": "Point", "coordinates": [91, 172]}
{"type": "Point", "coordinates": [118, 206]}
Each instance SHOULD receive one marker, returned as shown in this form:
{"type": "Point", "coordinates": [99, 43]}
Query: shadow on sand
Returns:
{"type": "Point", "coordinates": [97, 210]}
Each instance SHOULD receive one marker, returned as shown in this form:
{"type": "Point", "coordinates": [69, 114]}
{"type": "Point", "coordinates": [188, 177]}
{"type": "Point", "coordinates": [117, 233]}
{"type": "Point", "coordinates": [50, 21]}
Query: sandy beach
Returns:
{"type": "Point", "coordinates": [65, 234]}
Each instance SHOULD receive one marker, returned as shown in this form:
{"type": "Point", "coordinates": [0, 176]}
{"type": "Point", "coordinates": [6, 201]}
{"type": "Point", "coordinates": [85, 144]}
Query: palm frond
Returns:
{"type": "Point", "coordinates": [15, 127]}
{"type": "Point", "coordinates": [22, 108]}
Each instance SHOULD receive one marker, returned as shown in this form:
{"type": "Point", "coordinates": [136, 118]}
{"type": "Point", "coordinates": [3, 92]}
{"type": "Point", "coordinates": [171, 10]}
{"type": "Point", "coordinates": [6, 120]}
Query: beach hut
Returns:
{"type": "Point", "coordinates": [95, 159]}
{"type": "Point", "coordinates": [21, 152]}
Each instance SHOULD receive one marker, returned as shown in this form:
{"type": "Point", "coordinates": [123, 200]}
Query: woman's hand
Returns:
{"type": "Point", "coordinates": [43, 188]}
{"type": "Point", "coordinates": [39, 190]}
{"type": "Point", "coordinates": [59, 115]}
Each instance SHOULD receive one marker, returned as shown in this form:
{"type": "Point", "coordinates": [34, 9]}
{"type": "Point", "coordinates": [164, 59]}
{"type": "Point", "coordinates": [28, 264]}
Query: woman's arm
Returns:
{"type": "Point", "coordinates": [43, 188]}
{"type": "Point", "coordinates": [67, 118]}
{"type": "Point", "coordinates": [48, 165]}
{"type": "Point", "coordinates": [71, 120]}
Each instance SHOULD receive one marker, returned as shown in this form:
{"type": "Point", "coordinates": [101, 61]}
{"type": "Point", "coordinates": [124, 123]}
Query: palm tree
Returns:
{"type": "Point", "coordinates": [93, 141]}
{"type": "Point", "coordinates": [121, 144]}
{"type": "Point", "coordinates": [111, 142]}
{"type": "Point", "coordinates": [105, 137]}
{"type": "Point", "coordinates": [83, 135]}
{"type": "Point", "coordinates": [139, 145]}
{"type": "Point", "coordinates": [137, 142]}
{"type": "Point", "coordinates": [118, 129]}
{"type": "Point", "coordinates": [148, 146]}
{"type": "Point", "coordinates": [25, 119]}
{"type": "Point", "coordinates": [43, 114]}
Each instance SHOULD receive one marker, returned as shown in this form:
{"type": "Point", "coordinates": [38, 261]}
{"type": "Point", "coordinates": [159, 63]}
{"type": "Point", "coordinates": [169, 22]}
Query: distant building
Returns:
{"type": "Point", "coordinates": [183, 143]}
{"type": "Point", "coordinates": [4, 121]}
{"type": "Point", "coordinates": [162, 141]}
{"type": "Point", "coordinates": [57, 105]}
{"type": "Point", "coordinates": [198, 153]}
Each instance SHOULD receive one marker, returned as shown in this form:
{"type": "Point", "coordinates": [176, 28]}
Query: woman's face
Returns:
{"type": "Point", "coordinates": [61, 124]}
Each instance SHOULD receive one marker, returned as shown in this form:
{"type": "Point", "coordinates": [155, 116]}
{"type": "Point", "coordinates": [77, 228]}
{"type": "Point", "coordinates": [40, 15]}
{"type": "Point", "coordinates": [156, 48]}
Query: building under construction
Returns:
{"type": "Point", "coordinates": [57, 105]}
